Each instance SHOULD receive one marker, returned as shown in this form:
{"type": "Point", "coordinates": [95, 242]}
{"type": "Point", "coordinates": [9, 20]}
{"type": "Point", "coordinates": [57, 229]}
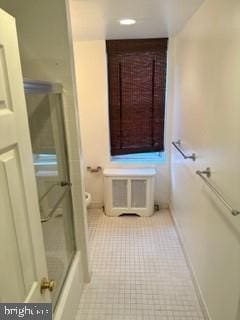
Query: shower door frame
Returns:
{"type": "Point", "coordinates": [78, 272]}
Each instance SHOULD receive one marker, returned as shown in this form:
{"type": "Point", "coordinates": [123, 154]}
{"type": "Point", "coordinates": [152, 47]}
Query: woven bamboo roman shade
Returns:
{"type": "Point", "coordinates": [137, 84]}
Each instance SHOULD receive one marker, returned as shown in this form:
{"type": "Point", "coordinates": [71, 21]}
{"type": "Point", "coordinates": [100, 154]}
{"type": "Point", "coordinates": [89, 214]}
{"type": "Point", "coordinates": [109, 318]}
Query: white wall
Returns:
{"type": "Point", "coordinates": [91, 69]}
{"type": "Point", "coordinates": [206, 118]}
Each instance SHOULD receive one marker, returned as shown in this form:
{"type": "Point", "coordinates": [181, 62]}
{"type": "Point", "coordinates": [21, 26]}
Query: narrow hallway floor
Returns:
{"type": "Point", "coordinates": [139, 271]}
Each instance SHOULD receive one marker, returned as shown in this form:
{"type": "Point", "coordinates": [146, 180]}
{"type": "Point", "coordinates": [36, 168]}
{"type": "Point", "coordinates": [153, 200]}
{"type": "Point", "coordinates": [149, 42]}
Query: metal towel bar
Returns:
{"type": "Point", "coordinates": [56, 205]}
{"type": "Point", "coordinates": [177, 145]}
{"type": "Point", "coordinates": [207, 172]}
{"type": "Point", "coordinates": [57, 184]}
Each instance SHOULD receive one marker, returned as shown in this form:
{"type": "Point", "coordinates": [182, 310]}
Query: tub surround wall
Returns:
{"type": "Point", "coordinates": [39, 115]}
{"type": "Point", "coordinates": [206, 118]}
{"type": "Point", "coordinates": [91, 73]}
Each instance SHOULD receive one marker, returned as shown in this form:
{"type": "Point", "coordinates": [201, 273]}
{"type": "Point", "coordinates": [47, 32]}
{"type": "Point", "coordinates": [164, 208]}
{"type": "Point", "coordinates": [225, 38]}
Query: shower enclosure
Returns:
{"type": "Point", "coordinates": [46, 123]}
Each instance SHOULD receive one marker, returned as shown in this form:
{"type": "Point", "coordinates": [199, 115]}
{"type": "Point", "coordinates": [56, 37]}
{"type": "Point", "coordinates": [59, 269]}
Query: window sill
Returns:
{"type": "Point", "coordinates": [141, 158]}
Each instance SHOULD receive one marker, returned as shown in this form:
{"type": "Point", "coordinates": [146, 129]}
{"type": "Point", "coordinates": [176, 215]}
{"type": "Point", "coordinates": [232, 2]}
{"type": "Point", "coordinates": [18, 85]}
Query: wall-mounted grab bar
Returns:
{"type": "Point", "coordinates": [177, 145]}
{"type": "Point", "coordinates": [207, 172]}
{"type": "Point", "coordinates": [94, 170]}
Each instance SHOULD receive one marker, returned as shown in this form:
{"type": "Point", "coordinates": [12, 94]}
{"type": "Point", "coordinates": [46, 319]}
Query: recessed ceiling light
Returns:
{"type": "Point", "coordinates": [127, 22]}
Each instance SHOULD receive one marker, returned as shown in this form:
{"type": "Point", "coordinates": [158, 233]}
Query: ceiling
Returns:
{"type": "Point", "coordinates": [99, 19]}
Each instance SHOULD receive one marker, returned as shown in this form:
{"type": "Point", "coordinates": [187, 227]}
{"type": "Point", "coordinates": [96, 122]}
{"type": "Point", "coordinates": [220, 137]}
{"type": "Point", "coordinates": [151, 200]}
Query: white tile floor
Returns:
{"type": "Point", "coordinates": [138, 271]}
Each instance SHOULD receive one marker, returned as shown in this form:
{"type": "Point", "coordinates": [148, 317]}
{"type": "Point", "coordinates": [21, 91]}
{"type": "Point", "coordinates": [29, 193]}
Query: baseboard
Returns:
{"type": "Point", "coordinates": [68, 302]}
{"type": "Point", "coordinates": [190, 266]}
{"type": "Point", "coordinates": [99, 205]}
{"type": "Point", "coordinates": [163, 205]}
{"type": "Point", "coordinates": [96, 205]}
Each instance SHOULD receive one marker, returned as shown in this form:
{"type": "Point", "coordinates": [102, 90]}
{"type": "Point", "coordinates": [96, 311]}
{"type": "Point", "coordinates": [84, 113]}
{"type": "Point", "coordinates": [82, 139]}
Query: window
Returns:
{"type": "Point", "coordinates": [140, 158]}
{"type": "Point", "coordinates": [137, 84]}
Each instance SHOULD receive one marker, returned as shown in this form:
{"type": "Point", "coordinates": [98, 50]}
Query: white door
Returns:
{"type": "Point", "coordinates": [22, 256]}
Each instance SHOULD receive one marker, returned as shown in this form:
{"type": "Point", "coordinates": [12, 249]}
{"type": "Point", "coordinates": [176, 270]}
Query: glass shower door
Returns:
{"type": "Point", "coordinates": [49, 147]}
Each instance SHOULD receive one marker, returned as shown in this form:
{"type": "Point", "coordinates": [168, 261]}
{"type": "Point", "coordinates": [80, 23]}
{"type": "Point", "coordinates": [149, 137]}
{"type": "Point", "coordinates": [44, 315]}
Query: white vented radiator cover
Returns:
{"type": "Point", "coordinates": [129, 191]}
